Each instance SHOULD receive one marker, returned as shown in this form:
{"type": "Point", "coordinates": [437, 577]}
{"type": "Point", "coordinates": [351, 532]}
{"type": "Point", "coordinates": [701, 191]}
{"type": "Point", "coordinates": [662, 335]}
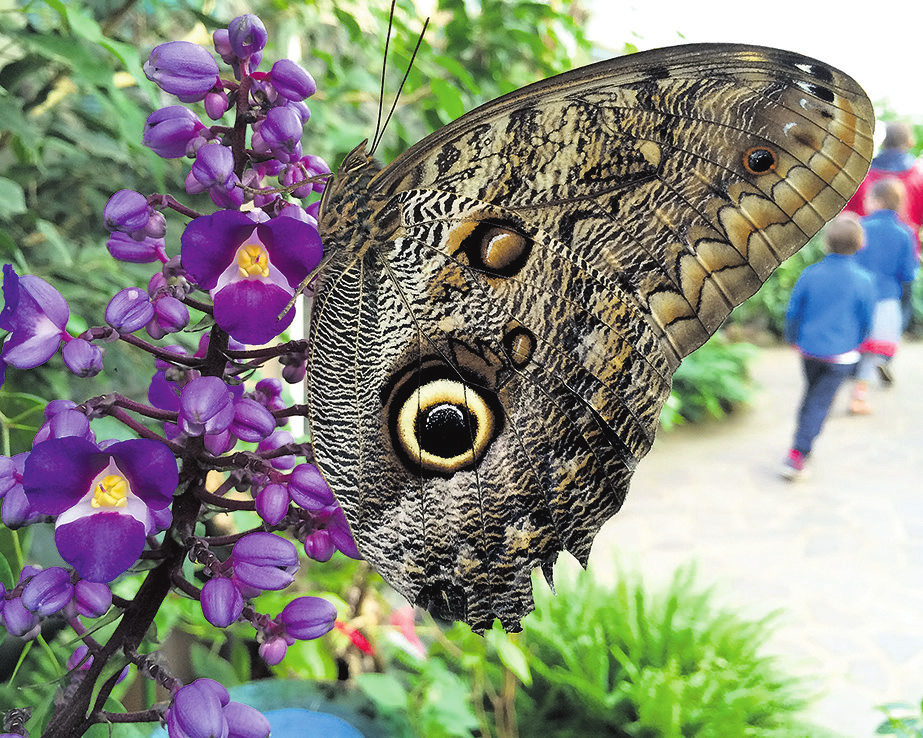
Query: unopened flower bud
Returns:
{"type": "Point", "coordinates": [272, 651]}
{"type": "Point", "coordinates": [265, 561]}
{"type": "Point", "coordinates": [308, 489]}
{"type": "Point", "coordinates": [206, 406]}
{"type": "Point", "coordinates": [246, 35]}
{"type": "Point", "coordinates": [126, 211]}
{"type": "Point", "coordinates": [124, 247]}
{"type": "Point", "coordinates": [183, 69]}
{"type": "Point", "coordinates": [169, 131]}
{"type": "Point", "coordinates": [18, 620]}
{"type": "Point", "coordinates": [291, 80]}
{"type": "Point", "coordinates": [216, 104]}
{"type": "Point", "coordinates": [129, 310]}
{"type": "Point", "coordinates": [83, 358]}
{"type": "Point", "coordinates": [48, 591]}
{"type": "Point", "coordinates": [221, 601]}
{"type": "Point", "coordinates": [306, 618]}
{"type": "Point", "coordinates": [92, 599]}
{"type": "Point", "coordinates": [272, 502]}
{"type": "Point", "coordinates": [197, 710]}
{"type": "Point", "coordinates": [281, 132]}
{"type": "Point", "coordinates": [252, 421]}
{"type": "Point", "coordinates": [214, 166]}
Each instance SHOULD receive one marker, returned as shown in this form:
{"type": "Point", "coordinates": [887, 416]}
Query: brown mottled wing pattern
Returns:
{"type": "Point", "coordinates": [504, 305]}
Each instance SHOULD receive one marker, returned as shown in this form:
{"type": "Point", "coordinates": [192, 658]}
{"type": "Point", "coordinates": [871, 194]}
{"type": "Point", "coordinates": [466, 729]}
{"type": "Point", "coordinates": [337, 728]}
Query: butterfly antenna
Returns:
{"type": "Point", "coordinates": [380, 128]}
{"type": "Point", "coordinates": [384, 68]}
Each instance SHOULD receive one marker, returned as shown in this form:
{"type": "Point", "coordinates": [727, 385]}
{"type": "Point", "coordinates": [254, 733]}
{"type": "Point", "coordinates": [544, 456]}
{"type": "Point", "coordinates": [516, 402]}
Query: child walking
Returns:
{"type": "Point", "coordinates": [890, 257]}
{"type": "Point", "coordinates": [829, 315]}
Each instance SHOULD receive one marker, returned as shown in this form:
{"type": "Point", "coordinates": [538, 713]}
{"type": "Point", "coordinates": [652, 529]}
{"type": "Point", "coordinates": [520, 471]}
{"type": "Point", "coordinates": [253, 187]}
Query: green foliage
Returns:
{"type": "Point", "coordinates": [600, 660]}
{"type": "Point", "coordinates": [709, 382]}
{"type": "Point", "coordinates": [902, 720]}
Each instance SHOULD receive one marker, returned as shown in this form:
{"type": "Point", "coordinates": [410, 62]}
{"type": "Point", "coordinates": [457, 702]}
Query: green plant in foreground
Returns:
{"type": "Point", "coordinates": [902, 719]}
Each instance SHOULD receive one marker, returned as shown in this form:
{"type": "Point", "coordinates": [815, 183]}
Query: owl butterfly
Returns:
{"type": "Point", "coordinates": [501, 309]}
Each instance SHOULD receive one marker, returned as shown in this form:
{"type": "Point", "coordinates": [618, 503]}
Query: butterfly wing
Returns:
{"type": "Point", "coordinates": [496, 330]}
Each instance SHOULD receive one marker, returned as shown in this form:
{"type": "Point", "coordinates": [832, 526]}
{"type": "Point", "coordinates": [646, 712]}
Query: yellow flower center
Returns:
{"type": "Point", "coordinates": [112, 491]}
{"type": "Point", "coordinates": [252, 261]}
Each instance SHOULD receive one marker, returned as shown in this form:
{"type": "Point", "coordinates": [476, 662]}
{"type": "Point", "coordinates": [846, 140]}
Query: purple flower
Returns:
{"type": "Point", "coordinates": [246, 35]}
{"type": "Point", "coordinates": [170, 316]}
{"type": "Point", "coordinates": [196, 711]}
{"type": "Point", "coordinates": [306, 618]}
{"type": "Point", "coordinates": [272, 503]}
{"type": "Point", "coordinates": [273, 649]}
{"type": "Point", "coordinates": [245, 721]}
{"type": "Point", "coordinates": [64, 421]}
{"type": "Point", "coordinates": [183, 69]}
{"type": "Point", "coordinates": [19, 621]}
{"type": "Point", "coordinates": [216, 104]}
{"type": "Point", "coordinates": [252, 421]}
{"type": "Point", "coordinates": [281, 132]}
{"type": "Point", "coordinates": [129, 310]}
{"type": "Point", "coordinates": [125, 248]}
{"type": "Point", "coordinates": [48, 591]}
{"type": "Point", "coordinates": [214, 167]}
{"type": "Point", "coordinates": [82, 357]}
{"type": "Point", "coordinates": [331, 533]}
{"type": "Point", "coordinates": [308, 489]}
{"type": "Point", "coordinates": [16, 511]}
{"type": "Point", "coordinates": [169, 131]}
{"type": "Point", "coordinates": [205, 406]}
{"type": "Point", "coordinates": [276, 439]}
{"type": "Point", "coordinates": [222, 602]}
{"type": "Point", "coordinates": [35, 314]}
{"type": "Point", "coordinates": [250, 269]}
{"type": "Point", "coordinates": [102, 499]}
{"type": "Point", "coordinates": [264, 561]}
{"type": "Point", "coordinates": [291, 80]}
{"type": "Point", "coordinates": [92, 599]}
{"type": "Point", "coordinates": [126, 211]}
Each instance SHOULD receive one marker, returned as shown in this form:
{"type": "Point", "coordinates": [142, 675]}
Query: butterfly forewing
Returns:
{"type": "Point", "coordinates": [496, 330]}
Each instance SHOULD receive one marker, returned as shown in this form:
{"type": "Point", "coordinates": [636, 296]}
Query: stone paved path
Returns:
{"type": "Point", "coordinates": [840, 552]}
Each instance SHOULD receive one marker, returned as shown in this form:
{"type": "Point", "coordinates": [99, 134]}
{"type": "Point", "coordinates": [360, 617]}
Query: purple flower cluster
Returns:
{"type": "Point", "coordinates": [212, 436]}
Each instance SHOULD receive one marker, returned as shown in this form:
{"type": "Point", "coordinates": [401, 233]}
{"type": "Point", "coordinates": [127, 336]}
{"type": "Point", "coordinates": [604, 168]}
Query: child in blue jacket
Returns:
{"type": "Point", "coordinates": [829, 315]}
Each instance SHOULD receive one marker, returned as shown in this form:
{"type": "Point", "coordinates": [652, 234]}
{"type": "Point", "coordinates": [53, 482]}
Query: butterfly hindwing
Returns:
{"type": "Point", "coordinates": [495, 331]}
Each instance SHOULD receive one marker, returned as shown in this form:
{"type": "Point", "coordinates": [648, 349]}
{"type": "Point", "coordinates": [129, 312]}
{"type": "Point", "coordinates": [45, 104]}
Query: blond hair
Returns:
{"type": "Point", "coordinates": [843, 234]}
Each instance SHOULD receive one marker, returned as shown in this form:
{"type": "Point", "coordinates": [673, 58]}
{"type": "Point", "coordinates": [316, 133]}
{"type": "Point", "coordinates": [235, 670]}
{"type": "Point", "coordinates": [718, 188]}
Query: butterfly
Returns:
{"type": "Point", "coordinates": [501, 309]}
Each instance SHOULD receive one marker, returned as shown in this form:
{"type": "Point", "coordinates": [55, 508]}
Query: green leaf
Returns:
{"type": "Point", "coordinates": [510, 655]}
{"type": "Point", "coordinates": [12, 198]}
{"type": "Point", "coordinates": [6, 573]}
{"type": "Point", "coordinates": [385, 690]}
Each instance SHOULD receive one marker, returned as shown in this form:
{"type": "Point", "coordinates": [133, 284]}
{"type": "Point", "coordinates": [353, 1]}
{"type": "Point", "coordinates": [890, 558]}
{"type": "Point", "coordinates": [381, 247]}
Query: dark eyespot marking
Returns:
{"type": "Point", "coordinates": [760, 160]}
{"type": "Point", "coordinates": [518, 344]}
{"type": "Point", "coordinates": [439, 422]}
{"type": "Point", "coordinates": [496, 248]}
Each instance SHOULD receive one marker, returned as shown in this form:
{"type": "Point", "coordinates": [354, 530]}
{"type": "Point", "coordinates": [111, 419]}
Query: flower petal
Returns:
{"type": "Point", "coordinates": [150, 467]}
{"type": "Point", "coordinates": [247, 310]}
{"type": "Point", "coordinates": [101, 546]}
{"type": "Point", "coordinates": [294, 247]}
{"type": "Point", "coordinates": [58, 473]}
{"type": "Point", "coordinates": [210, 243]}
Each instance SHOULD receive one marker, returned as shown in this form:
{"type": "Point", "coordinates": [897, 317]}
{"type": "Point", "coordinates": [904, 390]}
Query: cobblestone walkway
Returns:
{"type": "Point", "coordinates": [840, 552]}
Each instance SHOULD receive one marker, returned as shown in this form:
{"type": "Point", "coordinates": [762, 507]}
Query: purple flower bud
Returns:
{"type": "Point", "coordinates": [220, 443]}
{"type": "Point", "coordinates": [126, 211]}
{"type": "Point", "coordinates": [301, 108]}
{"type": "Point", "coordinates": [270, 388]}
{"type": "Point", "coordinates": [294, 373]}
{"type": "Point", "coordinates": [247, 35]}
{"type": "Point", "coordinates": [170, 315]}
{"type": "Point", "coordinates": [18, 620]}
{"type": "Point", "coordinates": [35, 314]}
{"type": "Point", "coordinates": [214, 166]}
{"type": "Point", "coordinates": [9, 476]}
{"type": "Point", "coordinates": [192, 185]}
{"type": "Point", "coordinates": [319, 546]}
{"type": "Point", "coordinates": [308, 489]}
{"type": "Point", "coordinates": [276, 439]}
{"type": "Point", "coordinates": [272, 651]}
{"type": "Point", "coordinates": [197, 711]}
{"type": "Point", "coordinates": [206, 406]}
{"type": "Point", "coordinates": [216, 104]}
{"type": "Point", "coordinates": [82, 357]}
{"type": "Point", "coordinates": [291, 80]}
{"type": "Point", "coordinates": [48, 591]}
{"type": "Point", "coordinates": [169, 131]}
{"type": "Point", "coordinates": [125, 248]}
{"type": "Point", "coordinates": [306, 618]}
{"type": "Point", "coordinates": [230, 197]}
{"type": "Point", "coordinates": [65, 423]}
{"type": "Point", "coordinates": [281, 132]}
{"type": "Point", "coordinates": [252, 421]}
{"type": "Point", "coordinates": [156, 227]}
{"type": "Point", "coordinates": [183, 69]}
{"type": "Point", "coordinates": [76, 659]}
{"type": "Point", "coordinates": [222, 42]}
{"type": "Point", "coordinates": [245, 721]}
{"type": "Point", "coordinates": [222, 602]}
{"type": "Point", "coordinates": [272, 503]}
{"type": "Point", "coordinates": [16, 511]}
{"type": "Point", "coordinates": [93, 599]}
{"type": "Point", "coordinates": [129, 310]}
{"type": "Point", "coordinates": [265, 561]}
